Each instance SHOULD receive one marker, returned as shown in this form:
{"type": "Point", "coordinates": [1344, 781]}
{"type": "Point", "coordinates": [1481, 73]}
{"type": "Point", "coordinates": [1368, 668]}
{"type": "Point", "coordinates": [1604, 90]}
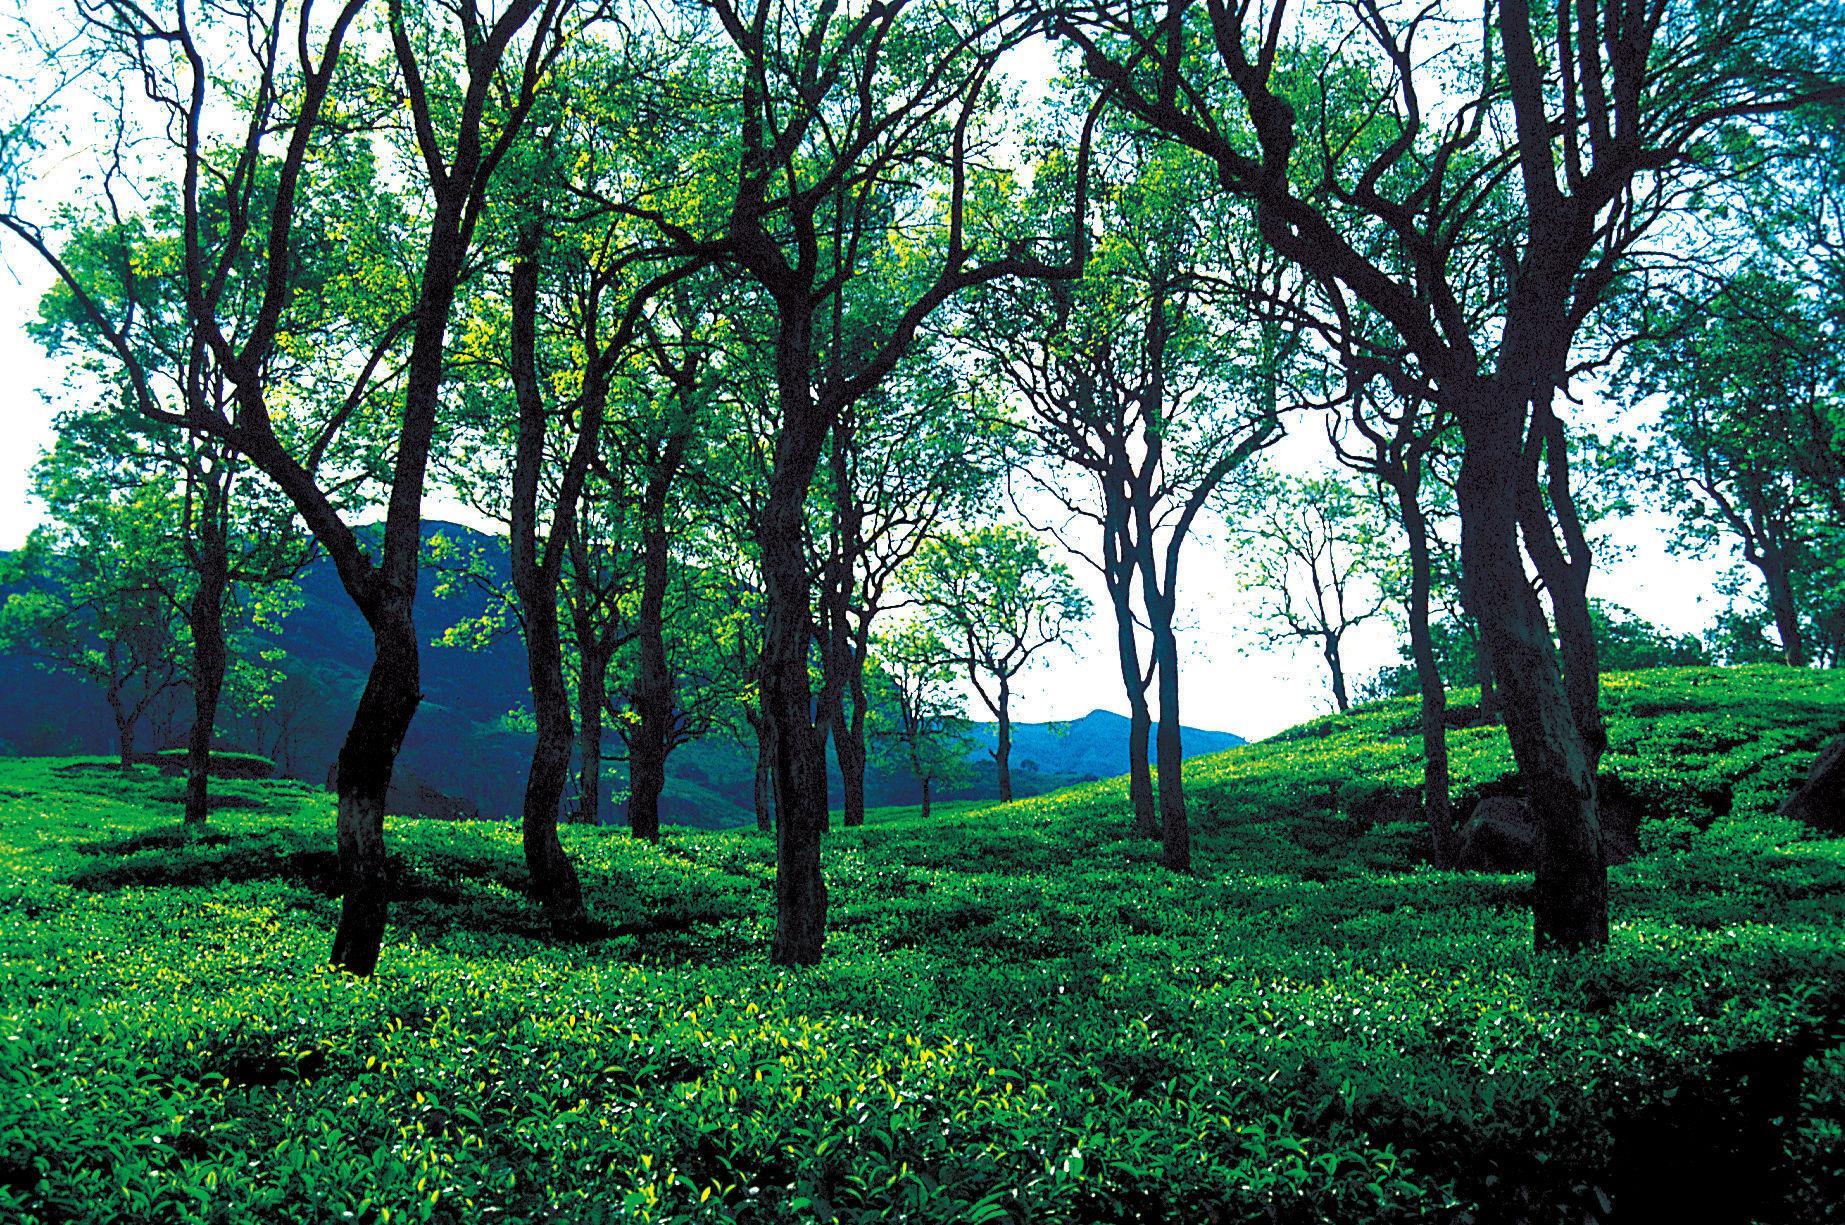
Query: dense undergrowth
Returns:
{"type": "Point", "coordinates": [1020, 1017]}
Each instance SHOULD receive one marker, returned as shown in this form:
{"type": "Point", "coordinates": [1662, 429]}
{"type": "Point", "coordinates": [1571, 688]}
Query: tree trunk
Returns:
{"type": "Point", "coordinates": [1175, 825]}
{"type": "Point", "coordinates": [536, 580]}
{"type": "Point", "coordinates": [849, 749]}
{"type": "Point", "coordinates": [1436, 802]}
{"type": "Point", "coordinates": [1002, 741]}
{"type": "Point", "coordinates": [799, 751]}
{"type": "Point", "coordinates": [389, 702]}
{"type": "Point", "coordinates": [1773, 566]}
{"type": "Point", "coordinates": [205, 618]}
{"type": "Point", "coordinates": [925, 798]}
{"type": "Point", "coordinates": [1571, 889]}
{"type": "Point", "coordinates": [653, 686]}
{"type": "Point", "coordinates": [1483, 672]}
{"type": "Point", "coordinates": [1140, 721]}
{"type": "Point", "coordinates": [765, 784]}
{"type": "Point", "coordinates": [125, 743]}
{"type": "Point", "coordinates": [1335, 670]}
{"type": "Point", "coordinates": [592, 683]}
{"type": "Point", "coordinates": [554, 880]}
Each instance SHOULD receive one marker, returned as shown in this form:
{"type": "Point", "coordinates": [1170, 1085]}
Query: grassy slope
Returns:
{"type": "Point", "coordinates": [1020, 1017]}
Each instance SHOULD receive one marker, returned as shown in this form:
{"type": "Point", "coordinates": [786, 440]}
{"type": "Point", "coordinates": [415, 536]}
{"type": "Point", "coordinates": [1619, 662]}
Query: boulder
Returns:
{"type": "Point", "coordinates": [1499, 836]}
{"type": "Point", "coordinates": [1820, 800]}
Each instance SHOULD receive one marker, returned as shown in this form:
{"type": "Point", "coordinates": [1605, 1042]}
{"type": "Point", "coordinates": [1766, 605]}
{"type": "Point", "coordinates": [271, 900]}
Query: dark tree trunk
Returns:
{"type": "Point", "coordinates": [787, 703]}
{"type": "Point", "coordinates": [1483, 672]}
{"type": "Point", "coordinates": [1140, 720]}
{"type": "Point", "coordinates": [1175, 825]}
{"type": "Point", "coordinates": [536, 580]}
{"type": "Point", "coordinates": [388, 703]}
{"type": "Point", "coordinates": [765, 784]}
{"type": "Point", "coordinates": [205, 618]}
{"type": "Point", "coordinates": [1002, 741]}
{"type": "Point", "coordinates": [925, 798]}
{"type": "Point", "coordinates": [125, 743]}
{"type": "Point", "coordinates": [1571, 889]}
{"type": "Point", "coordinates": [653, 685]}
{"type": "Point", "coordinates": [554, 880]}
{"type": "Point", "coordinates": [1335, 671]}
{"type": "Point", "coordinates": [591, 690]}
{"type": "Point", "coordinates": [1773, 565]}
{"type": "Point", "coordinates": [849, 749]}
{"type": "Point", "coordinates": [1564, 570]}
{"type": "Point", "coordinates": [1436, 801]}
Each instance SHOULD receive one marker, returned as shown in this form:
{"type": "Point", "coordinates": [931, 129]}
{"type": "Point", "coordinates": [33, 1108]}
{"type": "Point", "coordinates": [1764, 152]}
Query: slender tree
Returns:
{"type": "Point", "coordinates": [1002, 600]}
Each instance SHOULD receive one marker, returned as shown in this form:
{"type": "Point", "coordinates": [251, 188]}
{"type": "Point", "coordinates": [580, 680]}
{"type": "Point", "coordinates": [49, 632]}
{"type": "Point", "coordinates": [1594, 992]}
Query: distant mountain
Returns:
{"type": "Point", "coordinates": [468, 741]}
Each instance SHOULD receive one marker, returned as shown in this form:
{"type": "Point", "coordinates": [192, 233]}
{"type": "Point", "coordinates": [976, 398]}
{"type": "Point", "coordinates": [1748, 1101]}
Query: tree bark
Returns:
{"type": "Point", "coordinates": [1437, 804]}
{"type": "Point", "coordinates": [849, 747]}
{"type": "Point", "coordinates": [1175, 824]}
{"type": "Point", "coordinates": [366, 759]}
{"type": "Point", "coordinates": [765, 786]}
{"type": "Point", "coordinates": [925, 798]}
{"type": "Point", "coordinates": [592, 688]}
{"type": "Point", "coordinates": [536, 581]}
{"type": "Point", "coordinates": [205, 618]}
{"type": "Point", "coordinates": [1571, 889]}
{"type": "Point", "coordinates": [653, 686]}
{"type": "Point", "coordinates": [1140, 720]}
{"type": "Point", "coordinates": [1335, 670]}
{"type": "Point", "coordinates": [1774, 568]}
{"type": "Point", "coordinates": [1002, 741]}
{"type": "Point", "coordinates": [787, 703]}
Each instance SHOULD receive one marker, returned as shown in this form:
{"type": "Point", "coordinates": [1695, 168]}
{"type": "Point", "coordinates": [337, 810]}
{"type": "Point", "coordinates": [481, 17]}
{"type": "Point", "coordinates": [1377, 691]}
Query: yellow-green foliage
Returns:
{"type": "Point", "coordinates": [1020, 1017]}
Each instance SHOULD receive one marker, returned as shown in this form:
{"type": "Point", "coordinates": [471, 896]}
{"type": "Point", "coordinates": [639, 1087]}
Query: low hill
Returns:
{"type": "Point", "coordinates": [469, 739]}
{"type": "Point", "coordinates": [1020, 1017]}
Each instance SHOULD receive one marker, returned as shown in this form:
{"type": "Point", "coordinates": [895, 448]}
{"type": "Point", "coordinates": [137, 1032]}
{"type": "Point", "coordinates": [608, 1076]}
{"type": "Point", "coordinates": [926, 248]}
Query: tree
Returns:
{"type": "Point", "coordinates": [1148, 382]}
{"type": "Point", "coordinates": [913, 453]}
{"type": "Point", "coordinates": [1480, 224]}
{"type": "Point", "coordinates": [1313, 549]}
{"type": "Point", "coordinates": [998, 596]}
{"type": "Point", "coordinates": [1395, 441]}
{"type": "Point", "coordinates": [467, 91]}
{"type": "Point", "coordinates": [917, 723]}
{"type": "Point", "coordinates": [856, 206]}
{"type": "Point", "coordinates": [1747, 377]}
{"type": "Point", "coordinates": [97, 597]}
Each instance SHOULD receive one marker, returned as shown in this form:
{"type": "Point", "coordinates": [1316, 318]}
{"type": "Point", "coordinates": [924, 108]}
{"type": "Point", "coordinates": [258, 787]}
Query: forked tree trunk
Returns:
{"type": "Point", "coordinates": [1437, 804]}
{"type": "Point", "coordinates": [205, 618]}
{"type": "Point", "coordinates": [363, 780]}
{"type": "Point", "coordinates": [1571, 890]}
{"type": "Point", "coordinates": [1002, 740]}
{"type": "Point", "coordinates": [536, 581]}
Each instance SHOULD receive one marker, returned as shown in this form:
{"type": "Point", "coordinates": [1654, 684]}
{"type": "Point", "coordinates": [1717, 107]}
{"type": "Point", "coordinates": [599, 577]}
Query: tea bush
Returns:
{"type": "Point", "coordinates": [1020, 1016]}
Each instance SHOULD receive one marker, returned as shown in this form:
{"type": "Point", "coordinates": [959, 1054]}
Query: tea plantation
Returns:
{"type": "Point", "coordinates": [1021, 1017]}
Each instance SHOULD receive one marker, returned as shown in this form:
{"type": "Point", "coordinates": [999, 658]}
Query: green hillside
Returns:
{"type": "Point", "coordinates": [1020, 1017]}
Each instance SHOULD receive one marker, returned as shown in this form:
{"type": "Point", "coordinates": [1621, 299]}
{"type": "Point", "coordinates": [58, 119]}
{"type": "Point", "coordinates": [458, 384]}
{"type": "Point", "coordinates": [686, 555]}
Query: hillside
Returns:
{"type": "Point", "coordinates": [463, 743]}
{"type": "Point", "coordinates": [1020, 1016]}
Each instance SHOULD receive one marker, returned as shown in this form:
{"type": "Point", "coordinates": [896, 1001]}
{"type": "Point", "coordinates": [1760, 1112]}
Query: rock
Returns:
{"type": "Point", "coordinates": [1820, 800]}
{"type": "Point", "coordinates": [1499, 836]}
